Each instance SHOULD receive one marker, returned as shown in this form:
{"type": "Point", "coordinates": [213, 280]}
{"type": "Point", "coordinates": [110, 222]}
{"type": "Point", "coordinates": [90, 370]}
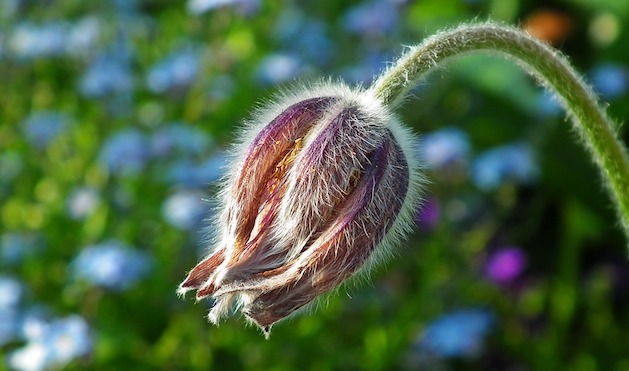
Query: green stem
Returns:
{"type": "Point", "coordinates": [596, 131]}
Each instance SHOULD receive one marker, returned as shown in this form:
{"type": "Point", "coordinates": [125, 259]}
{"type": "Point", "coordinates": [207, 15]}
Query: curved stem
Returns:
{"type": "Point", "coordinates": [596, 131]}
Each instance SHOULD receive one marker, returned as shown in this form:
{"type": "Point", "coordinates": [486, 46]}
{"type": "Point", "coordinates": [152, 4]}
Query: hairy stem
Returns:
{"type": "Point", "coordinates": [596, 131]}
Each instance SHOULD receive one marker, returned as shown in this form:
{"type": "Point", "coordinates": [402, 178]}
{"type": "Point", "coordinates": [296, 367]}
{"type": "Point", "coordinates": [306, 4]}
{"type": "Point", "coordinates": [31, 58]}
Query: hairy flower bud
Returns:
{"type": "Point", "coordinates": [323, 183]}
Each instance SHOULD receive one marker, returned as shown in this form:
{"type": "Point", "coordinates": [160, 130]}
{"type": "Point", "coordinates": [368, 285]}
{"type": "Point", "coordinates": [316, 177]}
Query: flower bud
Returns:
{"type": "Point", "coordinates": [322, 185]}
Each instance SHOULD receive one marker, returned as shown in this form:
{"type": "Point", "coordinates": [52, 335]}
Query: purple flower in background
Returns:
{"type": "Point", "coordinates": [277, 68]}
{"type": "Point", "coordinates": [610, 80]}
{"type": "Point", "coordinates": [505, 264]}
{"type": "Point", "coordinates": [429, 213]}
{"type": "Point", "coordinates": [125, 152]}
{"type": "Point", "coordinates": [184, 209]}
{"type": "Point", "coordinates": [180, 139]}
{"type": "Point", "coordinates": [178, 70]}
{"type": "Point", "coordinates": [82, 202]}
{"type": "Point", "coordinates": [512, 162]}
{"type": "Point", "coordinates": [42, 127]}
{"type": "Point", "coordinates": [113, 265]}
{"type": "Point", "coordinates": [108, 74]}
{"type": "Point", "coordinates": [55, 345]}
{"type": "Point", "coordinates": [457, 334]}
{"type": "Point", "coordinates": [443, 148]}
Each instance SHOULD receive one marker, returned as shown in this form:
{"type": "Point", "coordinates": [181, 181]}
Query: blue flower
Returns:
{"type": "Point", "coordinates": [277, 68]}
{"type": "Point", "coordinates": [548, 105]}
{"type": "Point", "coordinates": [108, 74]}
{"type": "Point", "coordinates": [180, 138]}
{"type": "Point", "coordinates": [82, 36]}
{"type": "Point", "coordinates": [457, 334]}
{"type": "Point", "coordinates": [190, 174]}
{"type": "Point", "coordinates": [125, 152]}
{"type": "Point", "coordinates": [184, 209]}
{"type": "Point", "coordinates": [15, 246]}
{"type": "Point", "coordinates": [376, 17]}
{"type": "Point", "coordinates": [11, 165]}
{"type": "Point", "coordinates": [510, 162]}
{"type": "Point", "coordinates": [197, 7]}
{"type": "Point", "coordinates": [176, 71]}
{"type": "Point", "coordinates": [59, 342]}
{"type": "Point", "coordinates": [11, 292]}
{"type": "Point", "coordinates": [42, 127]}
{"type": "Point", "coordinates": [443, 148]}
{"type": "Point", "coordinates": [112, 265]}
{"type": "Point", "coordinates": [610, 80]}
{"type": "Point", "coordinates": [29, 41]}
{"type": "Point", "coordinates": [305, 36]}
{"type": "Point", "coordinates": [82, 202]}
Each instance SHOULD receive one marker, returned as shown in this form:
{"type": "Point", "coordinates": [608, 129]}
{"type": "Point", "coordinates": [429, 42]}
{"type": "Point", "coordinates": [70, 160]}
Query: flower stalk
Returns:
{"type": "Point", "coordinates": [596, 131]}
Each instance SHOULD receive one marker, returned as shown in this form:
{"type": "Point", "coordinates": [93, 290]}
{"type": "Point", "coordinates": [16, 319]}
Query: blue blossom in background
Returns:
{"type": "Point", "coordinates": [11, 292]}
{"type": "Point", "coordinates": [82, 36]}
{"type": "Point", "coordinates": [178, 70]}
{"type": "Point", "coordinates": [196, 175]}
{"type": "Point", "coordinates": [184, 209]}
{"type": "Point", "coordinates": [305, 36]}
{"type": "Point", "coordinates": [456, 334]}
{"type": "Point", "coordinates": [276, 68]}
{"type": "Point", "coordinates": [179, 138]}
{"type": "Point", "coordinates": [198, 7]}
{"type": "Point", "coordinates": [15, 246]}
{"type": "Point", "coordinates": [58, 343]}
{"type": "Point", "coordinates": [364, 72]}
{"type": "Point", "coordinates": [113, 265]}
{"type": "Point", "coordinates": [375, 17]}
{"type": "Point", "coordinates": [548, 105]}
{"type": "Point", "coordinates": [443, 148]}
{"type": "Point", "coordinates": [42, 127]}
{"type": "Point", "coordinates": [11, 165]}
{"type": "Point", "coordinates": [108, 74]}
{"type": "Point", "coordinates": [125, 152]}
{"type": "Point", "coordinates": [513, 162]}
{"type": "Point", "coordinates": [82, 202]}
{"type": "Point", "coordinates": [30, 41]}
{"type": "Point", "coordinates": [610, 80]}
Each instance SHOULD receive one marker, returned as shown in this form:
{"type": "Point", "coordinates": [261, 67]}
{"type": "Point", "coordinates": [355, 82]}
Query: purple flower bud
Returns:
{"type": "Point", "coordinates": [324, 184]}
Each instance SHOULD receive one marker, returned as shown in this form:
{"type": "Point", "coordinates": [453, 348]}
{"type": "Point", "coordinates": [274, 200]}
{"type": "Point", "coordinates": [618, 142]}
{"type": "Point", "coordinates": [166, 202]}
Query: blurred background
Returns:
{"type": "Point", "coordinates": [114, 119]}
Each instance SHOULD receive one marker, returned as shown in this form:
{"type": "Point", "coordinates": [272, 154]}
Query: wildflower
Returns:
{"type": "Point", "coordinates": [325, 182]}
{"type": "Point", "coordinates": [610, 80]}
{"type": "Point", "coordinates": [510, 162]}
{"type": "Point", "coordinates": [43, 127]}
{"type": "Point", "coordinates": [59, 342]}
{"type": "Point", "coordinates": [176, 71]}
{"type": "Point", "coordinates": [83, 202]}
{"type": "Point", "coordinates": [125, 152]}
{"type": "Point", "coordinates": [112, 265]}
{"type": "Point", "coordinates": [444, 148]}
{"type": "Point", "coordinates": [506, 264]}
{"type": "Point", "coordinates": [457, 334]}
{"type": "Point", "coordinates": [183, 210]}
